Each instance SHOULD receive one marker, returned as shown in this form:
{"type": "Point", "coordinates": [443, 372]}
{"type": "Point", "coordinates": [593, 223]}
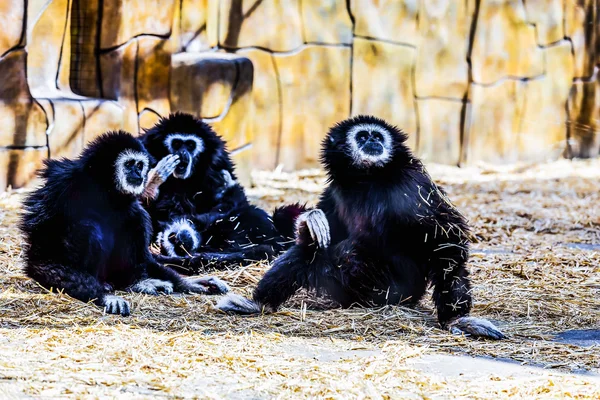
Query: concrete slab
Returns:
{"type": "Point", "coordinates": [580, 337]}
{"type": "Point", "coordinates": [475, 367]}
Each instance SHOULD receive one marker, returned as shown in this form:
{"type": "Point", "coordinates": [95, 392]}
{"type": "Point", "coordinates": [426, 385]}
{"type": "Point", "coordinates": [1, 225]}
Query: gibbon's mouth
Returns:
{"type": "Point", "coordinates": [181, 168]}
{"type": "Point", "coordinates": [372, 149]}
{"type": "Point", "coordinates": [180, 175]}
{"type": "Point", "coordinates": [175, 247]}
{"type": "Point", "coordinates": [136, 182]}
{"type": "Point", "coordinates": [371, 155]}
{"type": "Point", "coordinates": [182, 171]}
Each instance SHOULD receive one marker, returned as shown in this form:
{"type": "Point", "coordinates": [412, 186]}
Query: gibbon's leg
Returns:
{"type": "Point", "coordinates": [203, 285]}
{"type": "Point", "coordinates": [86, 243]}
{"type": "Point", "coordinates": [151, 277]}
{"type": "Point", "coordinates": [204, 260]}
{"type": "Point", "coordinates": [300, 266]}
{"type": "Point", "coordinates": [452, 295]}
{"type": "Point", "coordinates": [79, 285]}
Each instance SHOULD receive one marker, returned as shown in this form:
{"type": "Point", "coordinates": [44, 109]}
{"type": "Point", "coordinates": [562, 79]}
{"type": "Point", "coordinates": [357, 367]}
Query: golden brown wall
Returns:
{"type": "Point", "coordinates": [469, 80]}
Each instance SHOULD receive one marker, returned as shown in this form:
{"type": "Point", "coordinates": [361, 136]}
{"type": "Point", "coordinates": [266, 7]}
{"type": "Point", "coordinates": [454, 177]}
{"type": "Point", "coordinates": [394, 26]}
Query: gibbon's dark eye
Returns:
{"type": "Point", "coordinates": [130, 163]}
{"type": "Point", "coordinates": [378, 136]}
{"type": "Point", "coordinates": [140, 165]}
{"type": "Point", "coordinates": [362, 136]}
{"type": "Point", "coordinates": [176, 144]}
{"type": "Point", "coordinates": [190, 144]}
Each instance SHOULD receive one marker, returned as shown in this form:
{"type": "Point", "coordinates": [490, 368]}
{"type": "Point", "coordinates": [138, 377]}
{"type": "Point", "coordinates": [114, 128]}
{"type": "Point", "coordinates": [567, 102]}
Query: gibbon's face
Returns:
{"type": "Point", "coordinates": [187, 147]}
{"type": "Point", "coordinates": [369, 144]}
{"type": "Point", "coordinates": [180, 239]}
{"type": "Point", "coordinates": [131, 170]}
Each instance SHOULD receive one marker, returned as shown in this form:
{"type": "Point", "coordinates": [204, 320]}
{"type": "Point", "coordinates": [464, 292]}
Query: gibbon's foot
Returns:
{"type": "Point", "coordinates": [205, 285]}
{"type": "Point", "coordinates": [152, 286]}
{"type": "Point", "coordinates": [318, 227]}
{"type": "Point", "coordinates": [475, 327]}
{"type": "Point", "coordinates": [116, 305]}
{"type": "Point", "coordinates": [234, 303]}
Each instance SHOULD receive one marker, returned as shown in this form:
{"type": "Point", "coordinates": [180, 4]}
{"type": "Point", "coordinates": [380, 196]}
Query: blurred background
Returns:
{"type": "Point", "coordinates": [470, 81]}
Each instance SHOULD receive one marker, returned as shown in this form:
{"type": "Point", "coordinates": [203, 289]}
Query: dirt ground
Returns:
{"type": "Point", "coordinates": [535, 269]}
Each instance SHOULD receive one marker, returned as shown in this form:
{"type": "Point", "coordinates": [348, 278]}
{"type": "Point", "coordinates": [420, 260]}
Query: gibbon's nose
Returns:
{"type": "Point", "coordinates": [136, 173]}
{"type": "Point", "coordinates": [184, 160]}
{"type": "Point", "coordinates": [183, 243]}
{"type": "Point", "coordinates": [373, 147]}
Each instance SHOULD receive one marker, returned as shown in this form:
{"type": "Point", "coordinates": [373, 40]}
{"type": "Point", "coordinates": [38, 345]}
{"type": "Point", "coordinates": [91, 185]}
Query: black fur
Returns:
{"type": "Point", "coordinates": [232, 231]}
{"type": "Point", "coordinates": [285, 217]}
{"type": "Point", "coordinates": [85, 236]}
{"type": "Point", "coordinates": [393, 232]}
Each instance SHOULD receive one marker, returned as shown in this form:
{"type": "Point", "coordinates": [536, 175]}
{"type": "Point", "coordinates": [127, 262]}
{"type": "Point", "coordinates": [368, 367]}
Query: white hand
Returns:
{"type": "Point", "coordinates": [318, 227]}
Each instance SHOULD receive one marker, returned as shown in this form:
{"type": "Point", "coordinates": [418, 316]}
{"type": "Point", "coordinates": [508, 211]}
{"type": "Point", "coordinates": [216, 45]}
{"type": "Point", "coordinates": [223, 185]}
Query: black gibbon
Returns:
{"type": "Point", "coordinates": [86, 232]}
{"type": "Point", "coordinates": [201, 215]}
{"type": "Point", "coordinates": [381, 233]}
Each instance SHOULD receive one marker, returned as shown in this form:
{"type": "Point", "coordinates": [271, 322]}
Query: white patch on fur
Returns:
{"type": "Point", "coordinates": [206, 285]}
{"type": "Point", "coordinates": [116, 305]}
{"type": "Point", "coordinates": [184, 137]}
{"type": "Point", "coordinates": [152, 286]}
{"type": "Point", "coordinates": [178, 226]}
{"type": "Point", "coordinates": [476, 327]}
{"type": "Point", "coordinates": [360, 158]}
{"type": "Point", "coordinates": [318, 226]}
{"type": "Point", "coordinates": [229, 181]}
{"type": "Point", "coordinates": [238, 304]}
{"type": "Point", "coordinates": [121, 176]}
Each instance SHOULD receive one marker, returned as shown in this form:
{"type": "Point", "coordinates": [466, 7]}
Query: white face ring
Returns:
{"type": "Point", "coordinates": [362, 159]}
{"type": "Point", "coordinates": [121, 174]}
{"type": "Point", "coordinates": [175, 227]}
{"type": "Point", "coordinates": [199, 148]}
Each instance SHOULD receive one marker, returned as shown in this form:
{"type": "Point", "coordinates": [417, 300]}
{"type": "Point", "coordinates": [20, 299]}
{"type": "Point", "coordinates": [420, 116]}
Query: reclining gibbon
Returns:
{"type": "Point", "coordinates": [381, 233]}
{"type": "Point", "coordinates": [86, 232]}
{"type": "Point", "coordinates": [200, 214]}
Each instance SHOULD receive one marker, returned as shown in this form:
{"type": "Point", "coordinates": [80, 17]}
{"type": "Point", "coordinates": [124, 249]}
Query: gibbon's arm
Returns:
{"type": "Point", "coordinates": [208, 258]}
{"type": "Point", "coordinates": [452, 291]}
{"type": "Point", "coordinates": [153, 277]}
{"type": "Point", "coordinates": [301, 266]}
{"type": "Point", "coordinates": [451, 284]}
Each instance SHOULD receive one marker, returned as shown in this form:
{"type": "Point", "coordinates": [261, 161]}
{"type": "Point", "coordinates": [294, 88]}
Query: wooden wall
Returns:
{"type": "Point", "coordinates": [470, 80]}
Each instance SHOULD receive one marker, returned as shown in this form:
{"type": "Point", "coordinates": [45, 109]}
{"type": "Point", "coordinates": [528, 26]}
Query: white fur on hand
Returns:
{"type": "Point", "coordinates": [229, 181]}
{"type": "Point", "coordinates": [152, 286]}
{"type": "Point", "coordinates": [475, 327]}
{"type": "Point", "coordinates": [318, 226]}
{"type": "Point", "coordinates": [205, 285]}
{"type": "Point", "coordinates": [165, 167]}
{"type": "Point", "coordinates": [159, 174]}
{"type": "Point", "coordinates": [234, 303]}
{"type": "Point", "coordinates": [116, 305]}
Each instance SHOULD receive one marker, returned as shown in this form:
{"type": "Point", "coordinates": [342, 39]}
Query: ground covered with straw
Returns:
{"type": "Point", "coordinates": [535, 268]}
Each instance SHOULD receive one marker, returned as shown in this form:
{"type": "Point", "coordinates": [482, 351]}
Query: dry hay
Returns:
{"type": "Point", "coordinates": [527, 276]}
